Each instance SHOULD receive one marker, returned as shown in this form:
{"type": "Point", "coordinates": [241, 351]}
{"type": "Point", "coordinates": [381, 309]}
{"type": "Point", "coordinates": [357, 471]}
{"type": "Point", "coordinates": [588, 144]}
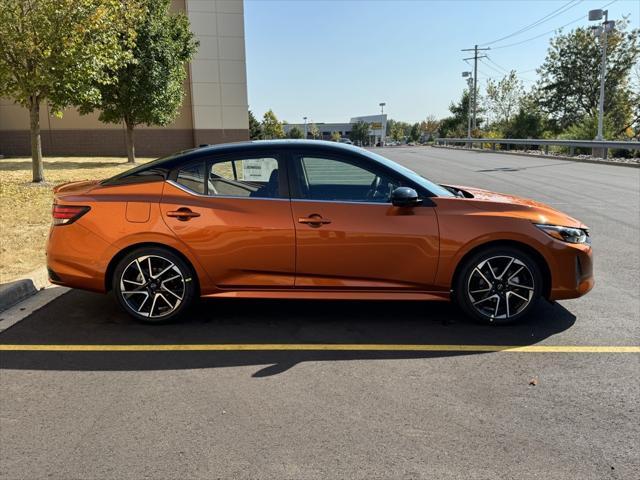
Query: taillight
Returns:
{"type": "Point", "coordinates": [66, 214]}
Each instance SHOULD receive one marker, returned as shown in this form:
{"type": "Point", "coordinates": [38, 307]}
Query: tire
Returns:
{"type": "Point", "coordinates": [154, 285]}
{"type": "Point", "coordinates": [498, 285]}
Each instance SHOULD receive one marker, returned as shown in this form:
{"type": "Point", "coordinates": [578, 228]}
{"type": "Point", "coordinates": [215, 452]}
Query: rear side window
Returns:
{"type": "Point", "coordinates": [192, 177]}
{"type": "Point", "coordinates": [246, 177]}
{"type": "Point", "coordinates": [240, 177]}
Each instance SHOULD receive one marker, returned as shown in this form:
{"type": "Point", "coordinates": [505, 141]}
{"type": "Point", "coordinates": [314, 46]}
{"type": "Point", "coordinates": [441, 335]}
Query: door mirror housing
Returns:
{"type": "Point", "coordinates": [405, 197]}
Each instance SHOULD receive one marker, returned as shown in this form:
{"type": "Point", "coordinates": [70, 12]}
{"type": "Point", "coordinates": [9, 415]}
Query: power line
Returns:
{"type": "Point", "coordinates": [558, 11]}
{"type": "Point", "coordinates": [495, 64]}
{"type": "Point", "coordinates": [492, 67]}
{"type": "Point", "coordinates": [581, 17]}
{"type": "Point", "coordinates": [507, 72]}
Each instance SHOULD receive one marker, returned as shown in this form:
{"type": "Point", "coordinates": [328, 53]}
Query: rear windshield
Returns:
{"type": "Point", "coordinates": [132, 172]}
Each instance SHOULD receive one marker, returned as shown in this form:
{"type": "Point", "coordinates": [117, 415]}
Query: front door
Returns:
{"type": "Point", "coordinates": [234, 214]}
{"type": "Point", "coordinates": [349, 236]}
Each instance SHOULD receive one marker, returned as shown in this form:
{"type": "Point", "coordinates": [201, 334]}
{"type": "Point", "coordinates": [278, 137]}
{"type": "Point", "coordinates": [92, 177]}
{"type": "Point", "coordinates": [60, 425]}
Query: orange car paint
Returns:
{"type": "Point", "coordinates": [258, 248]}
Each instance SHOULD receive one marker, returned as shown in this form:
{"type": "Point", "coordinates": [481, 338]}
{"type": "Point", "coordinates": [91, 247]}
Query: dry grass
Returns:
{"type": "Point", "coordinates": [25, 208]}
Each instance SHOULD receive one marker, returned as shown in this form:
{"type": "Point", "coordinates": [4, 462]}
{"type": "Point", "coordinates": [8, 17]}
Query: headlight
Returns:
{"type": "Point", "coordinates": [566, 234]}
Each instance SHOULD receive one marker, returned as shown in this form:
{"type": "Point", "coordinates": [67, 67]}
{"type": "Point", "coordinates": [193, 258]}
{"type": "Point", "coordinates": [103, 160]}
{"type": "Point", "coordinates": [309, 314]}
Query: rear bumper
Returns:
{"type": "Point", "coordinates": [572, 276]}
{"type": "Point", "coordinates": [75, 257]}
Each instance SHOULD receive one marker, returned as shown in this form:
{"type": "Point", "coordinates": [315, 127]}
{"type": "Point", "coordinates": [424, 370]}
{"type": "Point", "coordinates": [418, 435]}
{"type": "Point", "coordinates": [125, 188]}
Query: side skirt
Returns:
{"type": "Point", "coordinates": [331, 295]}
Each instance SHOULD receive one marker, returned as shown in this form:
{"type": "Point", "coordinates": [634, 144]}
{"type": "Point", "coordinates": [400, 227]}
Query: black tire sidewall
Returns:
{"type": "Point", "coordinates": [460, 292]}
{"type": "Point", "coordinates": [185, 269]}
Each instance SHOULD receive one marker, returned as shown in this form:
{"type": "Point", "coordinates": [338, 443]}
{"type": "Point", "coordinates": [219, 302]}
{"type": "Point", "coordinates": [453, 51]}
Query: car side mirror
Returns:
{"type": "Point", "coordinates": [405, 197]}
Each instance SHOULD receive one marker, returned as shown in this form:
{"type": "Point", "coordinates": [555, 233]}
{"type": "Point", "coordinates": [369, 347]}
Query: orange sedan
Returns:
{"type": "Point", "coordinates": [309, 220]}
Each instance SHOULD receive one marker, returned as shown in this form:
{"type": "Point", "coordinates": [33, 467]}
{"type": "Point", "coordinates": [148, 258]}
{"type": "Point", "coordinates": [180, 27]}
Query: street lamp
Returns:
{"type": "Point", "coordinates": [382, 105]}
{"type": "Point", "coordinates": [305, 127]}
{"type": "Point", "coordinates": [601, 32]}
{"type": "Point", "coordinates": [469, 77]}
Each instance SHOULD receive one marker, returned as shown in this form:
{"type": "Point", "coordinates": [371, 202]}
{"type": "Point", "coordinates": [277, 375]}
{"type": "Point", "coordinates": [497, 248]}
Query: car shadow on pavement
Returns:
{"type": "Point", "coordinates": [87, 318]}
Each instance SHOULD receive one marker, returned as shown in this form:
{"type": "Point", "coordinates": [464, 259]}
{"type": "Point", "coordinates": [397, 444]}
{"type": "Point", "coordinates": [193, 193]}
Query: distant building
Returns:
{"type": "Point", "coordinates": [377, 127]}
{"type": "Point", "coordinates": [214, 110]}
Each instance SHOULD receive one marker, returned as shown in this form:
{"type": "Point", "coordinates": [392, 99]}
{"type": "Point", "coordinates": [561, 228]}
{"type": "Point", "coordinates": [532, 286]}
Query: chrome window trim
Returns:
{"type": "Point", "coordinates": [202, 195]}
{"type": "Point", "coordinates": [196, 194]}
{"type": "Point", "coordinates": [351, 202]}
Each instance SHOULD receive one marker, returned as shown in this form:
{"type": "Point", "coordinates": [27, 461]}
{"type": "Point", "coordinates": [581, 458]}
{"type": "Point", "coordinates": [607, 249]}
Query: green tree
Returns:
{"type": "Point", "coordinates": [271, 126]}
{"type": "Point", "coordinates": [335, 136]}
{"type": "Point", "coordinates": [504, 97]}
{"type": "Point", "coordinates": [314, 131]}
{"type": "Point", "coordinates": [414, 134]}
{"type": "Point", "coordinates": [397, 132]}
{"type": "Point", "coordinates": [255, 129]}
{"type": "Point", "coordinates": [456, 124]}
{"type": "Point", "coordinates": [527, 123]}
{"type": "Point", "coordinates": [295, 132]}
{"type": "Point", "coordinates": [359, 133]}
{"type": "Point", "coordinates": [150, 89]}
{"type": "Point", "coordinates": [430, 126]}
{"type": "Point", "coordinates": [61, 51]}
{"type": "Point", "coordinates": [568, 89]}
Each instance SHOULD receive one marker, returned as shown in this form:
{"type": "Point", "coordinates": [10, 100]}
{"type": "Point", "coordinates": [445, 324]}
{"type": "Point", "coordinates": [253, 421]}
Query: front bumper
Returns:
{"type": "Point", "coordinates": [572, 272]}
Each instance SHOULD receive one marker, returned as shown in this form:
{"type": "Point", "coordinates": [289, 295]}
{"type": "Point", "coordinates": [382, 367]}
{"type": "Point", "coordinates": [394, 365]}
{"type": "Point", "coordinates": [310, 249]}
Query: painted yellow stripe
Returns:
{"type": "Point", "coordinates": [355, 347]}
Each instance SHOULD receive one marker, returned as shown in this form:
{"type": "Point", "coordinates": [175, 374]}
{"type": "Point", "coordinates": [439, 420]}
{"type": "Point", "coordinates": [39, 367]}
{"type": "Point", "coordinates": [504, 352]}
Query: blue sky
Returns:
{"type": "Point", "coordinates": [330, 60]}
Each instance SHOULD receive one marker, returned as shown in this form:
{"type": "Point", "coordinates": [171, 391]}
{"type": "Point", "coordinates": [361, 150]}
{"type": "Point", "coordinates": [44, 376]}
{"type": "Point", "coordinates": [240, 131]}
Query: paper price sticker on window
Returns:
{"type": "Point", "coordinates": [259, 169]}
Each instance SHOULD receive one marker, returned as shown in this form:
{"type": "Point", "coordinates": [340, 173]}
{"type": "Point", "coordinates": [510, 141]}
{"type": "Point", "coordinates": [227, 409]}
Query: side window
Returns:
{"type": "Point", "coordinates": [339, 180]}
{"type": "Point", "coordinates": [192, 177]}
{"type": "Point", "coordinates": [247, 177]}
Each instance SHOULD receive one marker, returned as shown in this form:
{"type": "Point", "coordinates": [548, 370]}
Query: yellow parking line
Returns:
{"type": "Point", "coordinates": [353, 347]}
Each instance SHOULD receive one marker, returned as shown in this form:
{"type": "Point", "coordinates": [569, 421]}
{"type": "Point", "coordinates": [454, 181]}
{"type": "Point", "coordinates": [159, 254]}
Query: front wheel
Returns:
{"type": "Point", "coordinates": [498, 285]}
{"type": "Point", "coordinates": [154, 285]}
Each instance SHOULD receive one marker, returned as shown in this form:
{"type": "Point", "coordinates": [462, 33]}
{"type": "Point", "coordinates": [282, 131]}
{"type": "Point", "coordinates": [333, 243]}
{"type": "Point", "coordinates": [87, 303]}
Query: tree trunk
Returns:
{"type": "Point", "coordinates": [131, 148]}
{"type": "Point", "coordinates": [36, 142]}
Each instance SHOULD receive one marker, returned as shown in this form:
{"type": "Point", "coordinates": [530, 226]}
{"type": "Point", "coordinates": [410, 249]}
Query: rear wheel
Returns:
{"type": "Point", "coordinates": [153, 285]}
{"type": "Point", "coordinates": [498, 285]}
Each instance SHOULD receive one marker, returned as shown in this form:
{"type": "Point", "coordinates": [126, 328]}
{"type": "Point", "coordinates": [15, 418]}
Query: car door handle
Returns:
{"type": "Point", "coordinates": [314, 220]}
{"type": "Point", "coordinates": [183, 214]}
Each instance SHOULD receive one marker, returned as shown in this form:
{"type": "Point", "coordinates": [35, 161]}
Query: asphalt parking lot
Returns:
{"type": "Point", "coordinates": [327, 413]}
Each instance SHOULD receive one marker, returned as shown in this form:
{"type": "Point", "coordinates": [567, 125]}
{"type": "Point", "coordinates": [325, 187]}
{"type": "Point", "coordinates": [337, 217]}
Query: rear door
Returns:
{"type": "Point", "coordinates": [349, 236]}
{"type": "Point", "coordinates": [234, 213]}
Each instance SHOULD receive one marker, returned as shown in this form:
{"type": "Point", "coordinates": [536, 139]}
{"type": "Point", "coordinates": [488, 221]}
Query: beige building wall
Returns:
{"type": "Point", "coordinates": [214, 109]}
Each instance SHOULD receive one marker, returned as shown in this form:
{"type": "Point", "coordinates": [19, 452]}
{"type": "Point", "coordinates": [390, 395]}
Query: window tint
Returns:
{"type": "Point", "coordinates": [331, 179]}
{"type": "Point", "coordinates": [192, 177]}
{"type": "Point", "coordinates": [250, 177]}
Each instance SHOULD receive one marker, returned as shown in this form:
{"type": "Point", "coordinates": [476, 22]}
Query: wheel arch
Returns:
{"type": "Point", "coordinates": [535, 254]}
{"type": "Point", "coordinates": [108, 279]}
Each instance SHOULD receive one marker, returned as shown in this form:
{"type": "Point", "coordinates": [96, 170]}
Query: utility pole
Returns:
{"type": "Point", "coordinates": [305, 127]}
{"type": "Point", "coordinates": [601, 32]}
{"type": "Point", "coordinates": [475, 58]}
{"type": "Point", "coordinates": [469, 77]}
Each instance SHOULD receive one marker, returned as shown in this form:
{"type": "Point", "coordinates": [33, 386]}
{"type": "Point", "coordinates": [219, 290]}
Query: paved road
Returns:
{"type": "Point", "coordinates": [300, 414]}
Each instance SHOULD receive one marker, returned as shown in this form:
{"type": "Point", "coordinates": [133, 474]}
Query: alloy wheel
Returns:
{"type": "Point", "coordinates": [152, 286]}
{"type": "Point", "coordinates": [500, 287]}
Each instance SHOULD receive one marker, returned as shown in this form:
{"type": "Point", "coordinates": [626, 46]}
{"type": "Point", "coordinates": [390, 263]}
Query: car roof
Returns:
{"type": "Point", "coordinates": [160, 166]}
{"type": "Point", "coordinates": [270, 145]}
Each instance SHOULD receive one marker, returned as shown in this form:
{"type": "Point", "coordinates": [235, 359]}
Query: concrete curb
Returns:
{"type": "Point", "coordinates": [545, 157]}
{"type": "Point", "coordinates": [23, 287]}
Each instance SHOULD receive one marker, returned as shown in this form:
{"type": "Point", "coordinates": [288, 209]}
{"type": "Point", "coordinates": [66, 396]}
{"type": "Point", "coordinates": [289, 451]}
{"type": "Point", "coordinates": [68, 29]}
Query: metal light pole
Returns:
{"type": "Point", "coordinates": [470, 83]}
{"type": "Point", "coordinates": [382, 105]}
{"type": "Point", "coordinates": [305, 127]}
{"type": "Point", "coordinates": [601, 32]}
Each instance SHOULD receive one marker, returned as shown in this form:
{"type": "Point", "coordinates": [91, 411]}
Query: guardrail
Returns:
{"type": "Point", "coordinates": [598, 148]}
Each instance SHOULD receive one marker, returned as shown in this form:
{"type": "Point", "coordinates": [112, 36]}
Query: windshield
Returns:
{"type": "Point", "coordinates": [434, 188]}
